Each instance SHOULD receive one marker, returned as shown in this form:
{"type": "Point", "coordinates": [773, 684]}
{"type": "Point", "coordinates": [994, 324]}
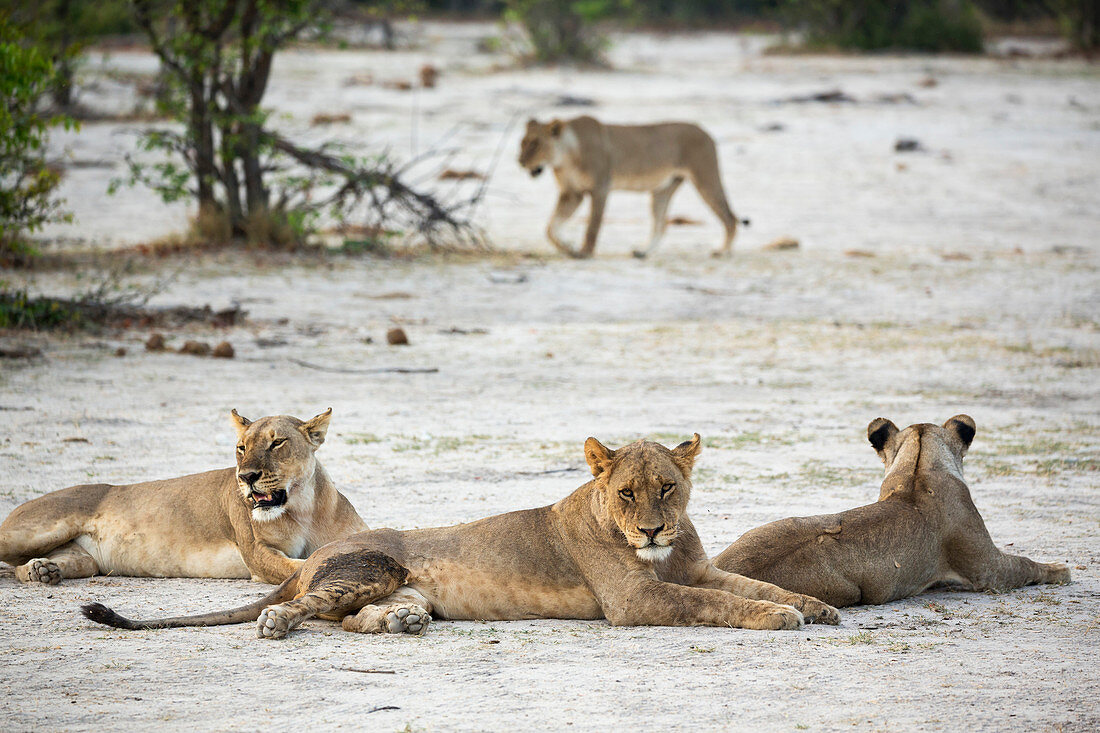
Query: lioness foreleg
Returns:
{"type": "Point", "coordinates": [656, 603]}
{"type": "Point", "coordinates": [813, 610]}
{"type": "Point", "coordinates": [598, 198]}
{"type": "Point", "coordinates": [568, 201]}
{"type": "Point", "coordinates": [68, 561]}
{"type": "Point", "coordinates": [405, 611]}
{"type": "Point", "coordinates": [1001, 571]}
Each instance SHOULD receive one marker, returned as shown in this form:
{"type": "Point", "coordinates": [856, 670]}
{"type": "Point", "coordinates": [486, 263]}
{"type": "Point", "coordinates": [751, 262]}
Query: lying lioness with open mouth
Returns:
{"type": "Point", "coordinates": [923, 531]}
{"type": "Point", "coordinates": [620, 547]}
{"type": "Point", "coordinates": [257, 520]}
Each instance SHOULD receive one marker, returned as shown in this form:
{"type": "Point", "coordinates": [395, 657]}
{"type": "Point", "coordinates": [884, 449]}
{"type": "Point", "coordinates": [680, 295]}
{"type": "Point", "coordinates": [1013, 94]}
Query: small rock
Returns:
{"type": "Point", "coordinates": [927, 82]}
{"type": "Point", "coordinates": [907, 145]}
{"type": "Point", "coordinates": [195, 348]}
{"type": "Point", "coordinates": [155, 343]}
{"type": "Point", "coordinates": [428, 76]}
{"type": "Point", "coordinates": [783, 243]}
{"type": "Point", "coordinates": [120, 351]}
{"type": "Point", "coordinates": [858, 253]}
{"type": "Point", "coordinates": [956, 256]}
{"type": "Point", "coordinates": [224, 350]}
{"type": "Point", "coordinates": [397, 337]}
{"type": "Point", "coordinates": [773, 127]}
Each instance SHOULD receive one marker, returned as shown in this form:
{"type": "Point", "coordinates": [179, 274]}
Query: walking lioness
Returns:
{"type": "Point", "coordinates": [256, 520]}
{"type": "Point", "coordinates": [591, 158]}
{"type": "Point", "coordinates": [923, 531]}
{"type": "Point", "coordinates": [620, 547]}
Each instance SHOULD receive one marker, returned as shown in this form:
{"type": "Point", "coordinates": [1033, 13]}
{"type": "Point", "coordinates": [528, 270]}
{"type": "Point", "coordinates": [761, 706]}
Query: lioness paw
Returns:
{"type": "Point", "coordinates": [273, 623]}
{"type": "Point", "coordinates": [777, 618]}
{"type": "Point", "coordinates": [1057, 573]}
{"type": "Point", "coordinates": [411, 619]}
{"type": "Point", "coordinates": [816, 612]}
{"type": "Point", "coordinates": [39, 570]}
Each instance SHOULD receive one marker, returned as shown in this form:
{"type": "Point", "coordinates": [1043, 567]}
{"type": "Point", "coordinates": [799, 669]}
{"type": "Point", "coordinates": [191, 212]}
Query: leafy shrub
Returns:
{"type": "Point", "coordinates": [868, 25]}
{"type": "Point", "coordinates": [564, 30]}
{"type": "Point", "coordinates": [27, 184]}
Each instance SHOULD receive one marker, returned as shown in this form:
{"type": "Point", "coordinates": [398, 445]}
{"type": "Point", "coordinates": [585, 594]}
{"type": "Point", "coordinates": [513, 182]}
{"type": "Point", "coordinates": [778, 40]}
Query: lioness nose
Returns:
{"type": "Point", "coordinates": [651, 533]}
{"type": "Point", "coordinates": [249, 477]}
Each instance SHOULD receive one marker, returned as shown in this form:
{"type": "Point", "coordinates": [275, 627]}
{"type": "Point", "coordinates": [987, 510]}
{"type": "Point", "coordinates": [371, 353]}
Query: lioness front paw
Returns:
{"type": "Point", "coordinates": [410, 619]}
{"type": "Point", "coordinates": [776, 618]}
{"type": "Point", "coordinates": [818, 612]}
{"type": "Point", "coordinates": [1057, 572]}
{"type": "Point", "coordinates": [274, 623]}
{"type": "Point", "coordinates": [39, 570]}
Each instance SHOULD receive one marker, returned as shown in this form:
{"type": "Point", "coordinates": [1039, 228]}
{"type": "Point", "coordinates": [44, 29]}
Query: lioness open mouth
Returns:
{"type": "Point", "coordinates": [265, 501]}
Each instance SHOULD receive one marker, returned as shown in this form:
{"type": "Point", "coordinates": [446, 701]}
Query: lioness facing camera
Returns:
{"type": "Point", "coordinates": [620, 547]}
{"type": "Point", "coordinates": [923, 531]}
{"type": "Point", "coordinates": [591, 158]}
{"type": "Point", "coordinates": [253, 521]}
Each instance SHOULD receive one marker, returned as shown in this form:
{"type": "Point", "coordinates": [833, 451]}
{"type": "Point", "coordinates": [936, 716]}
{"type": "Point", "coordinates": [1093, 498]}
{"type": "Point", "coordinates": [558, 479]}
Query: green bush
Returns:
{"type": "Point", "coordinates": [870, 25]}
{"type": "Point", "coordinates": [27, 184]}
{"type": "Point", "coordinates": [564, 30]}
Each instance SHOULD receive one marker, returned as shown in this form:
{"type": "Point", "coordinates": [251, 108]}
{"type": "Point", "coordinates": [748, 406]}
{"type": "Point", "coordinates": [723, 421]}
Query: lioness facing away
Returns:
{"type": "Point", "coordinates": [591, 158]}
{"type": "Point", "coordinates": [256, 520]}
{"type": "Point", "coordinates": [620, 547]}
{"type": "Point", "coordinates": [923, 531]}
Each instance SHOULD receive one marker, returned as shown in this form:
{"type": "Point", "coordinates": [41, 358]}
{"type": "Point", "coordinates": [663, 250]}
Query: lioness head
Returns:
{"type": "Point", "coordinates": [645, 490]}
{"type": "Point", "coordinates": [538, 148]}
{"type": "Point", "coordinates": [275, 462]}
{"type": "Point", "coordinates": [924, 444]}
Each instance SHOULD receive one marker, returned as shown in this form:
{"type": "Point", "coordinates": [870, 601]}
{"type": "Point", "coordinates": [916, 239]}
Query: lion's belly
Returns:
{"type": "Point", "coordinates": [641, 180]}
{"type": "Point", "coordinates": [461, 593]}
{"type": "Point", "coordinates": [137, 555]}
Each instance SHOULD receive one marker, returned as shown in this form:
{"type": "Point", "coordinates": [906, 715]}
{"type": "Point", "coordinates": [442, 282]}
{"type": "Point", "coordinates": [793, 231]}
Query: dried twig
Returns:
{"type": "Point", "coordinates": [379, 370]}
{"type": "Point", "coordinates": [370, 671]}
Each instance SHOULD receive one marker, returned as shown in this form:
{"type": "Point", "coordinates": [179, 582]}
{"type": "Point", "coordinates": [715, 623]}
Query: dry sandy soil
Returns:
{"type": "Point", "coordinates": [981, 294]}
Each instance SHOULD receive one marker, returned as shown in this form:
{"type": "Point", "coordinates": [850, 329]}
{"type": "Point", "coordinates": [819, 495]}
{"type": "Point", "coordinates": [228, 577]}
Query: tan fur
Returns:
{"type": "Point", "coordinates": [204, 525]}
{"type": "Point", "coordinates": [591, 158]}
{"type": "Point", "coordinates": [579, 558]}
{"type": "Point", "coordinates": [923, 531]}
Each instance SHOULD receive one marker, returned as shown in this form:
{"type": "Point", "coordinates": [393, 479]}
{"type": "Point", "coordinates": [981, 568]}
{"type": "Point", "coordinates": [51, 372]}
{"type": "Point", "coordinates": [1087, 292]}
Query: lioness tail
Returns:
{"type": "Point", "coordinates": [102, 614]}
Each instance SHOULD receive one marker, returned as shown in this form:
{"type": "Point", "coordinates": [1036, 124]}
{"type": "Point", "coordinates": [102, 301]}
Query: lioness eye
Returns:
{"type": "Point", "coordinates": [276, 443]}
{"type": "Point", "coordinates": [240, 449]}
{"type": "Point", "coordinates": [667, 488]}
{"type": "Point", "coordinates": [626, 494]}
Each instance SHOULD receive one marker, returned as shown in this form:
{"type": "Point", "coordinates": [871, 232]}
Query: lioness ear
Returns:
{"type": "Point", "coordinates": [879, 432]}
{"type": "Point", "coordinates": [963, 427]}
{"type": "Point", "coordinates": [240, 423]}
{"type": "Point", "coordinates": [555, 128]}
{"type": "Point", "coordinates": [598, 456]}
{"type": "Point", "coordinates": [316, 427]}
{"type": "Point", "coordinates": [684, 454]}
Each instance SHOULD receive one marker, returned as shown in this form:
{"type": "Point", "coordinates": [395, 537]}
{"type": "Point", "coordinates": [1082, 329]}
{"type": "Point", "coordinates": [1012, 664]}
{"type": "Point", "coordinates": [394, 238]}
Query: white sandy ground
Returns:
{"type": "Point", "coordinates": [778, 359]}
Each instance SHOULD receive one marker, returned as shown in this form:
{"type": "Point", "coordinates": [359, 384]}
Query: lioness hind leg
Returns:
{"type": "Point", "coordinates": [406, 611]}
{"type": "Point", "coordinates": [342, 584]}
{"type": "Point", "coordinates": [67, 561]}
{"type": "Point", "coordinates": [659, 206]}
{"type": "Point", "coordinates": [709, 185]}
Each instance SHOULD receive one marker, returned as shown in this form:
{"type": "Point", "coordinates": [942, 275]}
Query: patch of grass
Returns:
{"type": "Point", "coordinates": [863, 637]}
{"type": "Point", "coordinates": [361, 438]}
{"type": "Point", "coordinates": [19, 310]}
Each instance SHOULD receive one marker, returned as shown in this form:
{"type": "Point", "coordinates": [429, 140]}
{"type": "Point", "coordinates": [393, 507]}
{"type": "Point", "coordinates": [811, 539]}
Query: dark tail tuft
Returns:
{"type": "Point", "coordinates": [102, 615]}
